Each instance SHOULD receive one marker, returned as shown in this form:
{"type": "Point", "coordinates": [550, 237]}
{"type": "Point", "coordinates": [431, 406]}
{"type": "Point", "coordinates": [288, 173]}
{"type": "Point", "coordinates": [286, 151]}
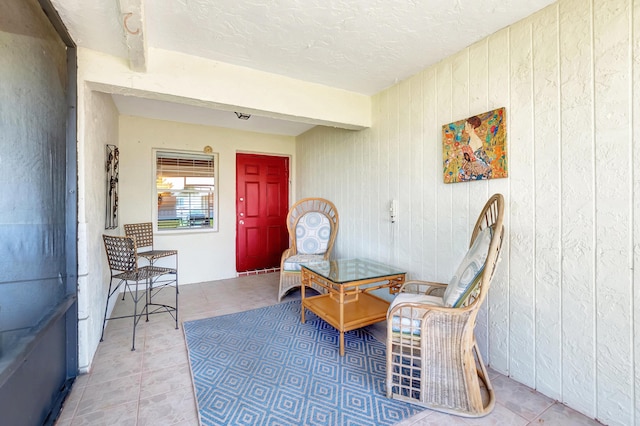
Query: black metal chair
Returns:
{"type": "Point", "coordinates": [144, 240]}
{"type": "Point", "coordinates": [123, 262]}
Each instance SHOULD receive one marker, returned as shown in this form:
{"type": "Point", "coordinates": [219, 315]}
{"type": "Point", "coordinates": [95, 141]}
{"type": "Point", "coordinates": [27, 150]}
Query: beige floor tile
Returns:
{"type": "Point", "coordinates": [160, 324]}
{"type": "Point", "coordinates": [81, 381]}
{"type": "Point", "coordinates": [492, 373]}
{"type": "Point", "coordinates": [561, 415]}
{"type": "Point", "coordinates": [165, 380]}
{"type": "Point", "coordinates": [118, 328]}
{"type": "Point", "coordinates": [498, 417]}
{"type": "Point", "coordinates": [197, 316]}
{"type": "Point", "coordinates": [165, 357]}
{"type": "Point", "coordinates": [119, 333]}
{"type": "Point", "coordinates": [168, 408]}
{"type": "Point", "coordinates": [192, 422]}
{"type": "Point", "coordinates": [63, 421]}
{"type": "Point", "coordinates": [415, 419]}
{"type": "Point", "coordinates": [163, 338]}
{"type": "Point", "coordinates": [152, 385]}
{"type": "Point", "coordinates": [519, 398]}
{"type": "Point", "coordinates": [72, 401]}
{"type": "Point", "coordinates": [105, 396]}
{"type": "Point", "coordinates": [124, 308]}
{"type": "Point", "coordinates": [119, 365]}
{"type": "Point", "coordinates": [439, 419]}
{"type": "Point", "coordinates": [199, 304]}
{"type": "Point", "coordinates": [119, 415]}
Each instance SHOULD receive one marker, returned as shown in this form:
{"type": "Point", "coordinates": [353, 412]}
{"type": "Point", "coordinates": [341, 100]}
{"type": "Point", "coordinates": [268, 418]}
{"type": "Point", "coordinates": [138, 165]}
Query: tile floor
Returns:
{"type": "Point", "coordinates": [152, 386]}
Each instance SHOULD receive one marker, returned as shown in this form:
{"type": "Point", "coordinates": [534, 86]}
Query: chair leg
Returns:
{"type": "Point", "coordinates": [177, 292]}
{"type": "Point", "coordinates": [112, 290]}
{"type": "Point", "coordinates": [137, 316]}
{"type": "Point", "coordinates": [135, 319]}
{"type": "Point", "coordinates": [149, 287]}
{"type": "Point", "coordinates": [483, 375]}
{"type": "Point", "coordinates": [106, 307]}
{"type": "Point", "coordinates": [147, 296]}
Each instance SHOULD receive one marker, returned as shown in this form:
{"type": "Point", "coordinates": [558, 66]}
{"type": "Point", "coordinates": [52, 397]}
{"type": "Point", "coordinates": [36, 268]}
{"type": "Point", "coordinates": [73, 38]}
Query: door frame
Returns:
{"type": "Point", "coordinates": [290, 187]}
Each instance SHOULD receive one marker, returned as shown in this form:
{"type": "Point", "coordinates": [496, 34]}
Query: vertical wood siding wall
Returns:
{"type": "Point", "coordinates": [563, 314]}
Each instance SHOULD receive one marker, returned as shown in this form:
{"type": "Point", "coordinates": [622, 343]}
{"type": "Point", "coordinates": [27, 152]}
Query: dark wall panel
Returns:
{"type": "Point", "coordinates": [38, 262]}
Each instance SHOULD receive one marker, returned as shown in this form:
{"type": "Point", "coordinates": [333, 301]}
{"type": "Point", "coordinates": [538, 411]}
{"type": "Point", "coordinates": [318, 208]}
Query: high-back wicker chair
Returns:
{"type": "Point", "coordinates": [313, 225]}
{"type": "Point", "coordinates": [432, 355]}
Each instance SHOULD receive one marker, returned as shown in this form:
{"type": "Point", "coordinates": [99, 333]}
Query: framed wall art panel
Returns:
{"type": "Point", "coordinates": [475, 148]}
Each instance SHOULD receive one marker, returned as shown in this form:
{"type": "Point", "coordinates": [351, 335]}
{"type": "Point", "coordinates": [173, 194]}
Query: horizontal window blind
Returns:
{"type": "Point", "coordinates": [184, 166]}
{"type": "Point", "coordinates": [185, 187]}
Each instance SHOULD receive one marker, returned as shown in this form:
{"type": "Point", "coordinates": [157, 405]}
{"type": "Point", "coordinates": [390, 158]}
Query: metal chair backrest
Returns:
{"type": "Point", "coordinates": [121, 253]}
{"type": "Point", "coordinates": [143, 233]}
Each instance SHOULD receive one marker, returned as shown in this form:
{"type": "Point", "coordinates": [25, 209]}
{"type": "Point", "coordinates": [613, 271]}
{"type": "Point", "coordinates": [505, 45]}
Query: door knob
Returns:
{"type": "Point", "coordinates": [241, 222]}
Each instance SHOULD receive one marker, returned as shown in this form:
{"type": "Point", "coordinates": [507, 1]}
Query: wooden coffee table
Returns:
{"type": "Point", "coordinates": [348, 303]}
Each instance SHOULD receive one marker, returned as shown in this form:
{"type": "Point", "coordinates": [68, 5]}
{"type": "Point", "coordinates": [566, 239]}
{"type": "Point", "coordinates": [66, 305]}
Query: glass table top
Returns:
{"type": "Point", "coordinates": [348, 270]}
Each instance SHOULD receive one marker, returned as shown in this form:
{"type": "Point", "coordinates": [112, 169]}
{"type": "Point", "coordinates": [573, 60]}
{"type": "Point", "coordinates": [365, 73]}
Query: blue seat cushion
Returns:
{"type": "Point", "coordinates": [313, 231]}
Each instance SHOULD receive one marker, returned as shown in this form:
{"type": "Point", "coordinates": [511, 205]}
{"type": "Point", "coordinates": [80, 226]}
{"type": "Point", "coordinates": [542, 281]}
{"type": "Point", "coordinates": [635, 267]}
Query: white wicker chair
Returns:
{"type": "Point", "coordinates": [432, 355]}
{"type": "Point", "coordinates": [313, 225]}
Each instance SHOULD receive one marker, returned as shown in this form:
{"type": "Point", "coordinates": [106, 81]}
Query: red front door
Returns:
{"type": "Point", "coordinates": [262, 204]}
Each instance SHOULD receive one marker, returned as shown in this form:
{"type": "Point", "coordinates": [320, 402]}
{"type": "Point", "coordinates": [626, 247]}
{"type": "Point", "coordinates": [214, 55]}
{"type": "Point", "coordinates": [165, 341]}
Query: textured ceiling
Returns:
{"type": "Point", "coordinates": [362, 46]}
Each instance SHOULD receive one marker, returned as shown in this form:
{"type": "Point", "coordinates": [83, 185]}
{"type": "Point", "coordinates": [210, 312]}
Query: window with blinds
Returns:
{"type": "Point", "coordinates": [185, 184]}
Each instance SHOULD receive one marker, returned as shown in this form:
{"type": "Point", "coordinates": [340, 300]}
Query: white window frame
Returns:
{"type": "Point", "coordinates": [216, 210]}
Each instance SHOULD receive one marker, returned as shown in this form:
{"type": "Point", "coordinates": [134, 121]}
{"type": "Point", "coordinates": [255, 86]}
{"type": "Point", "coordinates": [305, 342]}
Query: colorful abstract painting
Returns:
{"type": "Point", "coordinates": [475, 148]}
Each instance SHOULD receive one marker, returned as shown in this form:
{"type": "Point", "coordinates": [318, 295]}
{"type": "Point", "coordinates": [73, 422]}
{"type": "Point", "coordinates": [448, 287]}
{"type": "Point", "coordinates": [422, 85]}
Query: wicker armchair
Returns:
{"type": "Point", "coordinates": [432, 355]}
{"type": "Point", "coordinates": [313, 225]}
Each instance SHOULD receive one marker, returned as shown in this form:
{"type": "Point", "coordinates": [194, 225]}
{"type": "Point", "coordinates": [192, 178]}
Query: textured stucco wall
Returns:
{"type": "Point", "coordinates": [563, 314]}
{"type": "Point", "coordinates": [98, 126]}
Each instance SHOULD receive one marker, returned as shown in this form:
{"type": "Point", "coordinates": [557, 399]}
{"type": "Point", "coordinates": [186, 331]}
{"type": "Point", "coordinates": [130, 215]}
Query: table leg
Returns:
{"type": "Point", "coordinates": [303, 278]}
{"type": "Point", "coordinates": [341, 321]}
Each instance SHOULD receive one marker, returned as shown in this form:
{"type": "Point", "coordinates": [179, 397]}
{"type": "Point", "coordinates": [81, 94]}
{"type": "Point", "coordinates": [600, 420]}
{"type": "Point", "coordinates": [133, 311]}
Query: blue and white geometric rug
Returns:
{"type": "Point", "coordinates": [264, 367]}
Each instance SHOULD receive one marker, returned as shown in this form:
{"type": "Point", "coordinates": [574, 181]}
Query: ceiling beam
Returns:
{"type": "Point", "coordinates": [132, 15]}
{"type": "Point", "coordinates": [179, 78]}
